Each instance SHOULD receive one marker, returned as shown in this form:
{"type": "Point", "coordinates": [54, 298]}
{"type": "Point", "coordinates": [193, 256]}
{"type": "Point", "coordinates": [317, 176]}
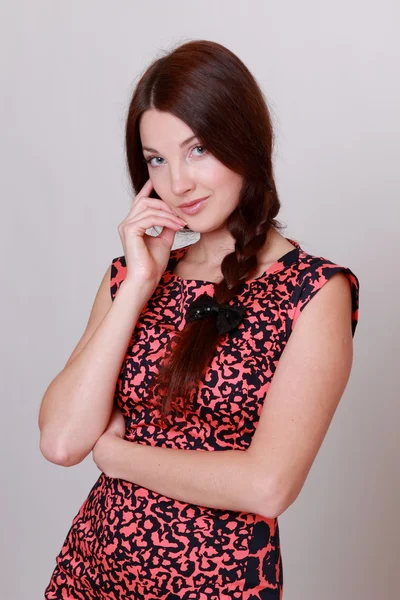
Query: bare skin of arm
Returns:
{"type": "Point", "coordinates": [77, 405]}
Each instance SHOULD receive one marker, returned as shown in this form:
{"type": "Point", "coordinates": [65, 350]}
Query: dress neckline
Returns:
{"type": "Point", "coordinates": [284, 261]}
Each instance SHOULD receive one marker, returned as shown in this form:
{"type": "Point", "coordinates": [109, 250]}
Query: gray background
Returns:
{"type": "Point", "coordinates": [330, 74]}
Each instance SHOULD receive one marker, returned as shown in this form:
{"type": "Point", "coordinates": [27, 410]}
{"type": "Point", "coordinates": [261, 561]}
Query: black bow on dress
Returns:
{"type": "Point", "coordinates": [227, 317]}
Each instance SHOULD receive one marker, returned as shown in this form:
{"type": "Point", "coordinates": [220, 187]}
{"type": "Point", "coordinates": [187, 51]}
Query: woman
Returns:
{"type": "Point", "coordinates": [198, 350]}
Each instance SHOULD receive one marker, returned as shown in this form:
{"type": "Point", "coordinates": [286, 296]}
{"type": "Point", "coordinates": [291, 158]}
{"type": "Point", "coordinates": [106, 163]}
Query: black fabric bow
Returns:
{"type": "Point", "coordinates": [227, 317]}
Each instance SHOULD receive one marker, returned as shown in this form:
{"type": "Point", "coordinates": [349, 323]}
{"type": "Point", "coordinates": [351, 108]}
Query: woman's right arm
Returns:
{"type": "Point", "coordinates": [77, 405]}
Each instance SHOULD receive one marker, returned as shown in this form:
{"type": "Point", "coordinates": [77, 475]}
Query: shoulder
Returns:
{"type": "Point", "coordinates": [312, 275]}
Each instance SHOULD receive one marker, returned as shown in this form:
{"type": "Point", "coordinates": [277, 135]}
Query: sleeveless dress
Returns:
{"type": "Point", "coordinates": [128, 541]}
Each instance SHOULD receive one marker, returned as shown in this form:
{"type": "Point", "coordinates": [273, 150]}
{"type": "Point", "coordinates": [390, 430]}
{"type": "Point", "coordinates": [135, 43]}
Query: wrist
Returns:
{"type": "Point", "coordinates": [144, 289]}
{"type": "Point", "coordinates": [104, 453]}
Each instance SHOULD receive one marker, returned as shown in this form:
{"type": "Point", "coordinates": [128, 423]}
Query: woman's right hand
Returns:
{"type": "Point", "coordinates": [147, 256]}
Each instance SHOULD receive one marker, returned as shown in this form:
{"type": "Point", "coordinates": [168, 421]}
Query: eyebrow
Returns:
{"type": "Point", "coordinates": [181, 145]}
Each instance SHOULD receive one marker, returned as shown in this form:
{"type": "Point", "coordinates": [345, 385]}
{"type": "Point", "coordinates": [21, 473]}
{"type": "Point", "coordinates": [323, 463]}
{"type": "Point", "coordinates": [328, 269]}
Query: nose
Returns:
{"type": "Point", "coordinates": [181, 180]}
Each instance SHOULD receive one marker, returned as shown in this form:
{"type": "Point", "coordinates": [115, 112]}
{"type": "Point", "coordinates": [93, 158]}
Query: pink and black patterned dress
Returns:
{"type": "Point", "coordinates": [128, 541]}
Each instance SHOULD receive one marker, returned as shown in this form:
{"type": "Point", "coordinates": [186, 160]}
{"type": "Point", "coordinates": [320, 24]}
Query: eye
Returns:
{"type": "Point", "coordinates": [202, 148]}
{"type": "Point", "coordinates": [149, 160]}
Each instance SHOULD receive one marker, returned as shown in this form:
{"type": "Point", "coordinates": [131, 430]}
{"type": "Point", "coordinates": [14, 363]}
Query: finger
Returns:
{"type": "Point", "coordinates": [156, 212]}
{"type": "Point", "coordinates": [145, 191]}
{"type": "Point", "coordinates": [155, 208]}
{"type": "Point", "coordinates": [171, 209]}
{"type": "Point", "coordinates": [142, 224]}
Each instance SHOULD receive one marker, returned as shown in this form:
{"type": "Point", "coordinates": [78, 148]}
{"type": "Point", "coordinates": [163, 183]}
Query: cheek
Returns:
{"type": "Point", "coordinates": [224, 178]}
{"type": "Point", "coordinates": [230, 184]}
{"type": "Point", "coordinates": [216, 178]}
{"type": "Point", "coordinates": [159, 182]}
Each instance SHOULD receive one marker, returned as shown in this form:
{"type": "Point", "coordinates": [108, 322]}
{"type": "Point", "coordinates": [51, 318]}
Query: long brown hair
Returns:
{"type": "Point", "coordinates": [210, 89]}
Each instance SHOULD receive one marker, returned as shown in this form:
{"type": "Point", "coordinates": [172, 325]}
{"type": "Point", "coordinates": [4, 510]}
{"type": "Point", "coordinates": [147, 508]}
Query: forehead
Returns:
{"type": "Point", "coordinates": [162, 129]}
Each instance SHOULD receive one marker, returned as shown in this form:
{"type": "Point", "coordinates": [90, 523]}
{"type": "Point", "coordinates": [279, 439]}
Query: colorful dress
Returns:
{"type": "Point", "coordinates": [128, 541]}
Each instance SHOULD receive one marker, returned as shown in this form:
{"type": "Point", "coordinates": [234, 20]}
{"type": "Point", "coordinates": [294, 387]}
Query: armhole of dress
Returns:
{"type": "Point", "coordinates": [315, 278]}
{"type": "Point", "coordinates": [118, 272]}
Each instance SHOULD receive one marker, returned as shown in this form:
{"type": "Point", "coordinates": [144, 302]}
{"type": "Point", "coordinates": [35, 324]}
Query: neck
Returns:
{"type": "Point", "coordinates": [212, 247]}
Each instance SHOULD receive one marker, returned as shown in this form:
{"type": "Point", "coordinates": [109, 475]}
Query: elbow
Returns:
{"type": "Point", "coordinates": [270, 509]}
{"type": "Point", "coordinates": [270, 495]}
{"type": "Point", "coordinates": [58, 454]}
{"type": "Point", "coordinates": [54, 454]}
{"type": "Point", "coordinates": [273, 500]}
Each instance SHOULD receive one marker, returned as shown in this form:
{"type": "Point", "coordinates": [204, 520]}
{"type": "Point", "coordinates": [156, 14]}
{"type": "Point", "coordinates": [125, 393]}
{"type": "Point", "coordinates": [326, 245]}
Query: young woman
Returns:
{"type": "Point", "coordinates": [202, 386]}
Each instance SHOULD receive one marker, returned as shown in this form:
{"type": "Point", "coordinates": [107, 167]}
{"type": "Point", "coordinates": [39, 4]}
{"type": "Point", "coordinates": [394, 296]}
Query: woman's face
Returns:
{"type": "Point", "coordinates": [181, 172]}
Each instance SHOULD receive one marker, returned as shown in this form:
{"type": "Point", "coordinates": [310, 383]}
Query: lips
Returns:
{"type": "Point", "coordinates": [194, 208]}
{"type": "Point", "coordinates": [192, 202]}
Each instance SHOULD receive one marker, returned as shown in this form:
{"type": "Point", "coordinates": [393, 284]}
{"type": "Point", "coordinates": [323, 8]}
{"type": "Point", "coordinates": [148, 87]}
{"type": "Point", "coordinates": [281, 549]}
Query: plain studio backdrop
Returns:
{"type": "Point", "coordinates": [330, 74]}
